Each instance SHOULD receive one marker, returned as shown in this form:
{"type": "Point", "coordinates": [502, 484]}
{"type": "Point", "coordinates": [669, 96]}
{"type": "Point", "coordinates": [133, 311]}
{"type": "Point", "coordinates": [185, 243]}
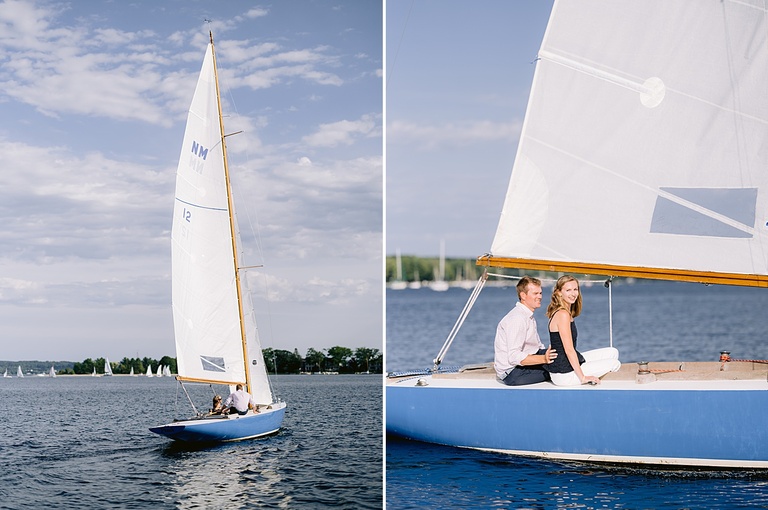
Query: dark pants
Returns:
{"type": "Point", "coordinates": [520, 375]}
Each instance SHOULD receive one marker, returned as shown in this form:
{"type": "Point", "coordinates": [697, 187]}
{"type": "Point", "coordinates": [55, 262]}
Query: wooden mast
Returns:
{"type": "Point", "coordinates": [233, 232]}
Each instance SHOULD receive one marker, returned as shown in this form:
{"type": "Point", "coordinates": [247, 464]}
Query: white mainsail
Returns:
{"type": "Point", "coordinates": [52, 372]}
{"type": "Point", "coordinates": [107, 367]}
{"type": "Point", "coordinates": [149, 371]}
{"type": "Point", "coordinates": [645, 152]}
{"type": "Point", "coordinates": [19, 373]}
{"type": "Point", "coordinates": [207, 315]}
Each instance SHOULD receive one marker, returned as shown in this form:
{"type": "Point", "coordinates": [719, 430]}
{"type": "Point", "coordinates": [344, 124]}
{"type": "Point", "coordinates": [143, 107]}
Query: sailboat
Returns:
{"type": "Point", "coordinates": [131, 372]}
{"type": "Point", "coordinates": [6, 373]}
{"type": "Point", "coordinates": [19, 373]}
{"type": "Point", "coordinates": [149, 371]}
{"type": "Point", "coordinates": [159, 371]}
{"type": "Point", "coordinates": [642, 155]}
{"type": "Point", "coordinates": [214, 323]}
{"type": "Point", "coordinates": [439, 284]}
{"type": "Point", "coordinates": [398, 283]}
{"type": "Point", "coordinates": [416, 283]}
{"type": "Point", "coordinates": [52, 372]}
{"type": "Point", "coordinates": [107, 367]}
{"type": "Point", "coordinates": [94, 372]}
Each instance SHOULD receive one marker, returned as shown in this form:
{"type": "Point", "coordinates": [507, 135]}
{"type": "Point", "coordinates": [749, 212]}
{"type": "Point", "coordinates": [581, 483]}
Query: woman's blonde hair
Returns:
{"type": "Point", "coordinates": [558, 303]}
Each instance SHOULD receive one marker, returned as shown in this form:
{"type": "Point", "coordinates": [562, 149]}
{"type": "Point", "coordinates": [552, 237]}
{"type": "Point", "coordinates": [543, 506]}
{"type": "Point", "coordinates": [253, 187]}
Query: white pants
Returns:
{"type": "Point", "coordinates": [597, 362]}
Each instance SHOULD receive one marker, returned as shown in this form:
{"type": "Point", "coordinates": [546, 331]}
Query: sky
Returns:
{"type": "Point", "coordinates": [457, 80]}
{"type": "Point", "coordinates": [93, 99]}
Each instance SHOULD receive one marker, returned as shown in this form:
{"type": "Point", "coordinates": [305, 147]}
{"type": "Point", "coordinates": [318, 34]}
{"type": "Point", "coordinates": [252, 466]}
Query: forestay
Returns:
{"type": "Point", "coordinates": [206, 311]}
{"type": "Point", "coordinates": [645, 143]}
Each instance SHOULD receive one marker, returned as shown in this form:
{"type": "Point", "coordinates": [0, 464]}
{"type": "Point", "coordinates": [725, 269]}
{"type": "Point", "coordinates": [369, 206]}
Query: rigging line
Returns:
{"type": "Point", "coordinates": [256, 231]}
{"type": "Point", "coordinates": [460, 321]}
{"type": "Point", "coordinates": [399, 44]}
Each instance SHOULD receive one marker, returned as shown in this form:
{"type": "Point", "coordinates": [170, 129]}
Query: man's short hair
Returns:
{"type": "Point", "coordinates": [525, 281]}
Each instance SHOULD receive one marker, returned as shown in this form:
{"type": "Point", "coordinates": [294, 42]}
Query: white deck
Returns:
{"type": "Point", "coordinates": [665, 376]}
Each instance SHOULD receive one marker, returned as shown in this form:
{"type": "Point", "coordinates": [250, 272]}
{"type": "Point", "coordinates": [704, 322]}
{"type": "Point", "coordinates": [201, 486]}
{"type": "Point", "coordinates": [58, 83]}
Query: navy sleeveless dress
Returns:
{"type": "Point", "coordinates": [561, 365]}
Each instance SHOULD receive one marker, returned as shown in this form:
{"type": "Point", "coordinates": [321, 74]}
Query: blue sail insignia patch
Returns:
{"type": "Point", "coordinates": [737, 204]}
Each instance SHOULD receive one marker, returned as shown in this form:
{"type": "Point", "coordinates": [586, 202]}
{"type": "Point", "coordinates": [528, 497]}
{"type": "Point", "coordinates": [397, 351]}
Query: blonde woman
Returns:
{"type": "Point", "coordinates": [573, 368]}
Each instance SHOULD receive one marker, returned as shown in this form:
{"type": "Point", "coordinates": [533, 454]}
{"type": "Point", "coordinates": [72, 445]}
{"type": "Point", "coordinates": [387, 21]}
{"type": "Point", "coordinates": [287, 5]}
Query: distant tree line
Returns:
{"type": "Point", "coordinates": [124, 366]}
{"type": "Point", "coordinates": [334, 359]}
{"type": "Point", "coordinates": [342, 360]}
{"type": "Point", "coordinates": [426, 269]}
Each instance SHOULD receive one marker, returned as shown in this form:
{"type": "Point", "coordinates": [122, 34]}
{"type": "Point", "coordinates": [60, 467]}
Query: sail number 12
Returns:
{"type": "Point", "coordinates": [187, 215]}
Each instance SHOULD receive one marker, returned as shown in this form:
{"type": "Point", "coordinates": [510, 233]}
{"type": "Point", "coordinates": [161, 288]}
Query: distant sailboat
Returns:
{"type": "Point", "coordinates": [107, 367]}
{"type": "Point", "coordinates": [6, 373]}
{"type": "Point", "coordinates": [132, 371]}
{"type": "Point", "coordinates": [52, 372]}
{"type": "Point", "coordinates": [439, 284]}
{"type": "Point", "coordinates": [416, 283]}
{"type": "Point", "coordinates": [159, 370]}
{"type": "Point", "coordinates": [462, 281]}
{"type": "Point", "coordinates": [214, 321]}
{"type": "Point", "coordinates": [19, 373]}
{"type": "Point", "coordinates": [149, 371]}
{"type": "Point", "coordinates": [94, 372]}
{"type": "Point", "coordinates": [398, 283]}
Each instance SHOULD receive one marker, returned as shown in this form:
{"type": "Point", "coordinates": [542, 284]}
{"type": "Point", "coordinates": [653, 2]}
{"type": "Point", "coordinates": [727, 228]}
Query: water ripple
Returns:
{"type": "Point", "coordinates": [91, 445]}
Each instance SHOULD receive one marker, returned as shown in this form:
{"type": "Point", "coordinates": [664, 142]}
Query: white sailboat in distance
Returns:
{"type": "Point", "coordinates": [398, 283]}
{"type": "Point", "coordinates": [439, 284]}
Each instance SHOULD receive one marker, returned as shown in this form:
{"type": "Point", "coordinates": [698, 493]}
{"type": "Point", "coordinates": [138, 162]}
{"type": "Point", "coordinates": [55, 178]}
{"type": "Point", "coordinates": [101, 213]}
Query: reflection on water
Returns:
{"type": "Point", "coordinates": [240, 475]}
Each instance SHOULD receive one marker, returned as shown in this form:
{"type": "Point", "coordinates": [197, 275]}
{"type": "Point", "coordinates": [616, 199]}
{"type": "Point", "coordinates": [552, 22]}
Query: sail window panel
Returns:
{"type": "Point", "coordinates": [212, 363]}
{"type": "Point", "coordinates": [671, 217]}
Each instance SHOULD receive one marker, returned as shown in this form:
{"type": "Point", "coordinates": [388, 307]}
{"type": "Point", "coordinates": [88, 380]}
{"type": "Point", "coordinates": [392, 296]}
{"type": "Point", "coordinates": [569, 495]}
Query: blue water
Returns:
{"type": "Point", "coordinates": [82, 442]}
{"type": "Point", "coordinates": [657, 321]}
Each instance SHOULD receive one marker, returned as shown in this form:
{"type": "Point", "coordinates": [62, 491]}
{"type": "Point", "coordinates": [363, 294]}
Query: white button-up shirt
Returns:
{"type": "Point", "coordinates": [516, 338]}
{"type": "Point", "coordinates": [241, 399]}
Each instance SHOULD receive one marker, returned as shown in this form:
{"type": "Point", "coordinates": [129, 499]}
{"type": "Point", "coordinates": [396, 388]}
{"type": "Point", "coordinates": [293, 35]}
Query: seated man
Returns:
{"type": "Point", "coordinates": [242, 401]}
{"type": "Point", "coordinates": [519, 355]}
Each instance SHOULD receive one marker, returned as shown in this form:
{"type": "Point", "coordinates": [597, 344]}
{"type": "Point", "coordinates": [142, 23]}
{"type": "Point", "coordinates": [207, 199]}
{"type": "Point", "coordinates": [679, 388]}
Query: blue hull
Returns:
{"type": "Point", "coordinates": [218, 429]}
{"type": "Point", "coordinates": [691, 427]}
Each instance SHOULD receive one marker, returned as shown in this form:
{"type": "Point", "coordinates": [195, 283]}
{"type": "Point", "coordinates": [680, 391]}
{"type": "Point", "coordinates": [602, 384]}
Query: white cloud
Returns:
{"type": "Point", "coordinates": [429, 136]}
{"type": "Point", "coordinates": [256, 12]}
{"type": "Point", "coordinates": [100, 72]}
{"type": "Point", "coordinates": [343, 132]}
